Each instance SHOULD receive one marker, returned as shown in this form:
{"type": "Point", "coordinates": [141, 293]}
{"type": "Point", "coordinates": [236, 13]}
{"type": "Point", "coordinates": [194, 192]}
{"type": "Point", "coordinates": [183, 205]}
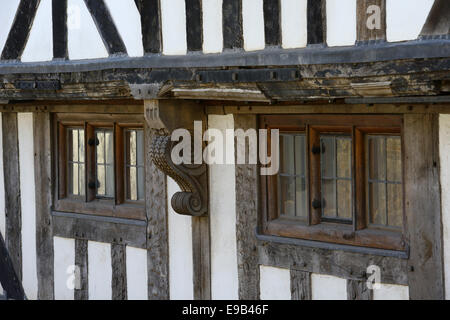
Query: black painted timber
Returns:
{"type": "Point", "coordinates": [106, 27]}
{"type": "Point", "coordinates": [316, 21]}
{"type": "Point", "coordinates": [8, 277]}
{"type": "Point", "coordinates": [59, 14]}
{"type": "Point", "coordinates": [151, 25]}
{"type": "Point", "coordinates": [20, 30]}
{"type": "Point", "coordinates": [232, 24]}
{"type": "Point", "coordinates": [194, 32]}
{"type": "Point", "coordinates": [272, 22]}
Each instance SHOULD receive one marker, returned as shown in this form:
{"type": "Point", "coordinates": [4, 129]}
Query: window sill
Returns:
{"type": "Point", "coordinates": [337, 234]}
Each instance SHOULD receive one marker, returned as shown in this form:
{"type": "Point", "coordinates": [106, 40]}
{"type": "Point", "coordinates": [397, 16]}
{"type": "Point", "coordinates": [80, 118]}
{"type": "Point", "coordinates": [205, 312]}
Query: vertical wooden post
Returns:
{"type": "Point", "coordinates": [201, 246]}
{"type": "Point", "coordinates": [300, 285]}
{"type": "Point", "coordinates": [367, 15]}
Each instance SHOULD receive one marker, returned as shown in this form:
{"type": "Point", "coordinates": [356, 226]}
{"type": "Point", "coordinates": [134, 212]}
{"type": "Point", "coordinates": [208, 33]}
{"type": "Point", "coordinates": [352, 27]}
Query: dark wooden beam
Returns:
{"type": "Point", "coordinates": [438, 22]}
{"type": "Point", "coordinates": [201, 247]}
{"type": "Point", "coordinates": [363, 18]}
{"type": "Point", "coordinates": [300, 285]}
{"type": "Point", "coordinates": [151, 25]}
{"type": "Point", "coordinates": [44, 224]}
{"type": "Point", "coordinates": [316, 18]}
{"type": "Point", "coordinates": [232, 24]}
{"type": "Point", "coordinates": [20, 30]}
{"type": "Point", "coordinates": [194, 23]}
{"type": "Point", "coordinates": [358, 290]}
{"type": "Point", "coordinates": [13, 210]}
{"type": "Point", "coordinates": [59, 15]}
{"type": "Point", "coordinates": [81, 261]}
{"type": "Point", "coordinates": [423, 206]}
{"type": "Point", "coordinates": [119, 272]}
{"type": "Point", "coordinates": [272, 22]}
{"type": "Point", "coordinates": [106, 26]}
{"type": "Point", "coordinates": [8, 277]}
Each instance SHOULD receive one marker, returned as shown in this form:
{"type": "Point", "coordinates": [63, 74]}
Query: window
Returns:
{"type": "Point", "coordinates": [340, 180]}
{"type": "Point", "coordinates": [100, 165]}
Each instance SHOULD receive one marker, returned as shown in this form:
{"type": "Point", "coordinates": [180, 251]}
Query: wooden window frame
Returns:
{"type": "Point", "coordinates": [358, 233]}
{"type": "Point", "coordinates": [90, 204]}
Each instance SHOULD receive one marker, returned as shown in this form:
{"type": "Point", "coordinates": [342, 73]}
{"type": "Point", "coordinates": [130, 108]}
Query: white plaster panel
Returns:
{"type": "Point", "coordinates": [326, 287]}
{"type": "Point", "coordinates": [391, 292]}
{"type": "Point", "coordinates": [405, 18]}
{"type": "Point", "coordinates": [2, 184]}
{"type": "Point", "coordinates": [39, 46]}
{"type": "Point", "coordinates": [294, 23]}
{"type": "Point", "coordinates": [212, 26]}
{"type": "Point", "coordinates": [99, 271]}
{"type": "Point", "coordinates": [173, 25]}
{"type": "Point", "coordinates": [28, 203]}
{"type": "Point", "coordinates": [444, 153]}
{"type": "Point", "coordinates": [341, 22]}
{"type": "Point", "coordinates": [128, 22]}
{"type": "Point", "coordinates": [224, 273]}
{"type": "Point", "coordinates": [7, 14]}
{"type": "Point", "coordinates": [137, 279]}
{"type": "Point", "coordinates": [64, 268]}
{"type": "Point", "coordinates": [180, 250]}
{"type": "Point", "coordinates": [253, 24]}
{"type": "Point", "coordinates": [84, 41]}
{"type": "Point", "coordinates": [275, 283]}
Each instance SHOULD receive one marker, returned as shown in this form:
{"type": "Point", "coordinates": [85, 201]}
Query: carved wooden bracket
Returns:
{"type": "Point", "coordinates": [192, 200]}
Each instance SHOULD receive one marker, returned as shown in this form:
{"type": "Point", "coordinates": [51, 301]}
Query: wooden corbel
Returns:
{"type": "Point", "coordinates": [164, 116]}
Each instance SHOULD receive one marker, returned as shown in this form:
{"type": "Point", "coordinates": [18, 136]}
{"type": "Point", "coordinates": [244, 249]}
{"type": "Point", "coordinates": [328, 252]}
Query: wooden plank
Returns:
{"type": "Point", "coordinates": [43, 182]}
{"type": "Point", "coordinates": [371, 13]}
{"type": "Point", "coordinates": [272, 22]}
{"type": "Point", "coordinates": [119, 272]}
{"type": "Point", "coordinates": [13, 211]}
{"type": "Point", "coordinates": [8, 277]}
{"type": "Point", "coordinates": [316, 17]}
{"type": "Point", "coordinates": [157, 232]}
{"type": "Point", "coordinates": [20, 30]}
{"type": "Point", "coordinates": [357, 290]}
{"type": "Point", "coordinates": [423, 206]}
{"type": "Point", "coordinates": [246, 219]}
{"type": "Point", "coordinates": [232, 24]}
{"type": "Point", "coordinates": [300, 285]}
{"type": "Point", "coordinates": [106, 26]}
{"type": "Point", "coordinates": [59, 23]}
{"type": "Point", "coordinates": [151, 25]}
{"type": "Point", "coordinates": [201, 246]}
{"type": "Point", "coordinates": [194, 22]}
{"type": "Point", "coordinates": [81, 261]}
{"type": "Point", "coordinates": [437, 23]}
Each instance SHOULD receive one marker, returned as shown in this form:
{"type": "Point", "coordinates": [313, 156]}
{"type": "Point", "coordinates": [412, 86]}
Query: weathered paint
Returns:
{"type": "Point", "coordinates": [136, 274]}
{"type": "Point", "coordinates": [39, 46]}
{"type": "Point", "coordinates": [99, 271]}
{"type": "Point", "coordinates": [28, 203]}
{"type": "Point", "coordinates": [128, 22]}
{"type": "Point", "coordinates": [84, 41]}
{"type": "Point", "coordinates": [7, 14]}
{"type": "Point", "coordinates": [212, 26]}
{"type": "Point", "coordinates": [391, 292]}
{"type": "Point", "coordinates": [405, 18]}
{"type": "Point", "coordinates": [180, 250]}
{"type": "Point", "coordinates": [64, 266]}
{"type": "Point", "coordinates": [275, 283]}
{"type": "Point", "coordinates": [173, 25]}
{"type": "Point", "coordinates": [2, 184]}
{"type": "Point", "coordinates": [325, 287]}
{"type": "Point", "coordinates": [253, 24]}
{"type": "Point", "coordinates": [224, 273]}
{"type": "Point", "coordinates": [444, 153]}
{"type": "Point", "coordinates": [341, 22]}
{"type": "Point", "coordinates": [294, 30]}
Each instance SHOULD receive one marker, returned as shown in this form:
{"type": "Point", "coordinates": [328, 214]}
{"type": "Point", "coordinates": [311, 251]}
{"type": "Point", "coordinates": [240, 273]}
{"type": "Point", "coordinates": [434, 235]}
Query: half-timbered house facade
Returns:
{"type": "Point", "coordinates": [93, 205]}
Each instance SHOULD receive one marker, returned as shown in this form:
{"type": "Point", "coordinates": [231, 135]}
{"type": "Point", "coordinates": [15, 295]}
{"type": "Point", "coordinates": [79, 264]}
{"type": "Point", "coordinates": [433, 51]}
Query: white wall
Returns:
{"type": "Point", "coordinates": [2, 184]}
{"type": "Point", "coordinates": [173, 25]}
{"type": "Point", "coordinates": [341, 22]}
{"type": "Point", "coordinates": [212, 26]}
{"type": "Point", "coordinates": [224, 273]}
{"type": "Point", "coordinates": [391, 292]}
{"type": "Point", "coordinates": [405, 18]}
{"type": "Point", "coordinates": [39, 46]}
{"type": "Point", "coordinates": [180, 250]}
{"type": "Point", "coordinates": [275, 283]}
{"type": "Point", "coordinates": [444, 152]}
{"type": "Point", "coordinates": [84, 41]}
{"type": "Point", "coordinates": [253, 24]}
{"type": "Point", "coordinates": [137, 284]}
{"type": "Point", "coordinates": [325, 287]}
{"type": "Point", "coordinates": [28, 203]}
{"type": "Point", "coordinates": [64, 262]}
{"type": "Point", "coordinates": [99, 271]}
{"type": "Point", "coordinates": [7, 14]}
{"type": "Point", "coordinates": [294, 24]}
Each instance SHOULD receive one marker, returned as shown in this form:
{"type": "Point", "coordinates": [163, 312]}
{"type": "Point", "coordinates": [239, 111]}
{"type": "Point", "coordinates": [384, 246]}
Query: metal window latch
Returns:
{"type": "Point", "coordinates": [92, 185]}
{"type": "Point", "coordinates": [315, 150]}
{"type": "Point", "coordinates": [316, 204]}
{"type": "Point", "coordinates": [93, 141]}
